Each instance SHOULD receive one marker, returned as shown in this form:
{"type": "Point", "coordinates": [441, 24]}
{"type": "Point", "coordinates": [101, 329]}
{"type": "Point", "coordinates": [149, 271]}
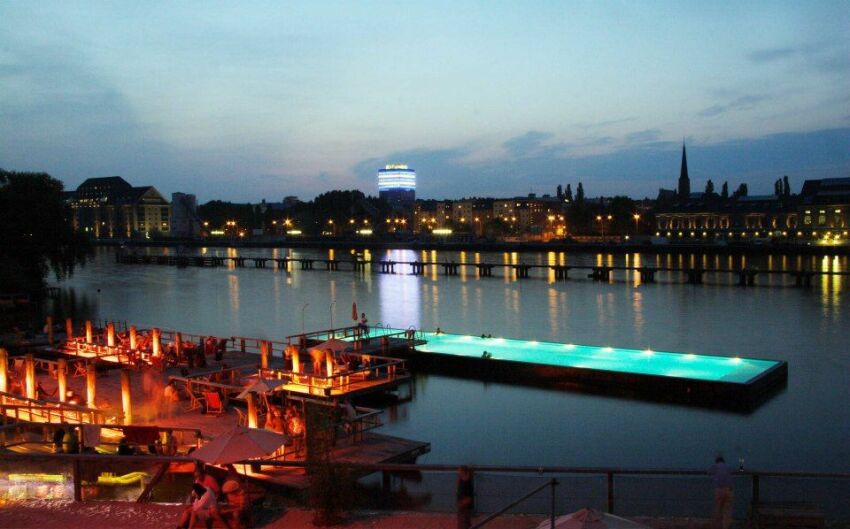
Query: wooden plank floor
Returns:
{"type": "Point", "coordinates": [374, 448]}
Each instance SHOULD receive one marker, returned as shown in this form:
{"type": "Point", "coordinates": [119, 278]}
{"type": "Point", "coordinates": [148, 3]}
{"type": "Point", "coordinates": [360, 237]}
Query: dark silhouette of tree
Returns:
{"type": "Point", "coordinates": [560, 191]}
{"type": "Point", "coordinates": [724, 191]}
{"type": "Point", "coordinates": [709, 187]}
{"type": "Point", "coordinates": [37, 232]}
{"type": "Point", "coordinates": [786, 187]}
{"type": "Point", "coordinates": [580, 193]}
{"type": "Point", "coordinates": [568, 195]}
{"type": "Point", "coordinates": [741, 191]}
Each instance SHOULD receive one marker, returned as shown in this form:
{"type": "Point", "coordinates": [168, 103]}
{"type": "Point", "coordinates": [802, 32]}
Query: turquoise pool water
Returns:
{"type": "Point", "coordinates": [645, 362]}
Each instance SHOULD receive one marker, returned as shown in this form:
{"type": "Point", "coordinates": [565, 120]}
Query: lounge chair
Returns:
{"type": "Point", "coordinates": [215, 406]}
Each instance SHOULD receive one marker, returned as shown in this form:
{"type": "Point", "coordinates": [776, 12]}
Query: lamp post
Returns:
{"type": "Point", "coordinates": [636, 216]}
{"type": "Point", "coordinates": [303, 308]}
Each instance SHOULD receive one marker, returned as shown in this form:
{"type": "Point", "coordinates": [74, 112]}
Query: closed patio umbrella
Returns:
{"type": "Point", "coordinates": [354, 311]}
{"type": "Point", "coordinates": [240, 444]}
{"type": "Point", "coordinates": [591, 519]}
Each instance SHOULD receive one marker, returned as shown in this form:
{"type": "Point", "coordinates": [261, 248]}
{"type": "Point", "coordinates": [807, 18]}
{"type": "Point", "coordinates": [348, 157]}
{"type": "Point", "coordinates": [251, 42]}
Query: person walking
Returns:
{"type": "Point", "coordinates": [465, 497]}
{"type": "Point", "coordinates": [721, 478]}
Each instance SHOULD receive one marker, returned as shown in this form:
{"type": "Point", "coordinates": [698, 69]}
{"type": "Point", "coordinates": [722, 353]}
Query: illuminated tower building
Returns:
{"type": "Point", "coordinates": [397, 184]}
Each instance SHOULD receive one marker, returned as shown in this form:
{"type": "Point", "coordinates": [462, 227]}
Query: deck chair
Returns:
{"type": "Point", "coordinates": [79, 369]}
{"type": "Point", "coordinates": [215, 406]}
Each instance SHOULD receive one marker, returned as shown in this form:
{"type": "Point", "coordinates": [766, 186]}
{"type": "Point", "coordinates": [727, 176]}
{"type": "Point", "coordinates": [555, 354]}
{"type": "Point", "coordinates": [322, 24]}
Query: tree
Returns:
{"type": "Point", "coordinates": [724, 192]}
{"type": "Point", "coordinates": [786, 187]}
{"type": "Point", "coordinates": [580, 194]}
{"type": "Point", "coordinates": [568, 196]}
{"type": "Point", "coordinates": [777, 187]}
{"type": "Point", "coordinates": [37, 231]}
{"type": "Point", "coordinates": [560, 191]}
{"type": "Point", "coordinates": [709, 187]}
{"type": "Point", "coordinates": [741, 191]}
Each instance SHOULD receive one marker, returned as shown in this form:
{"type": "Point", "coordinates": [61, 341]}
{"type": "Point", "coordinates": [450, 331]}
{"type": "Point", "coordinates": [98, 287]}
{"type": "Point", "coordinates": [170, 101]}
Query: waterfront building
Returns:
{"type": "Point", "coordinates": [824, 208]}
{"type": "Point", "coordinates": [532, 216]}
{"type": "Point", "coordinates": [683, 214]}
{"type": "Point", "coordinates": [431, 214]}
{"type": "Point", "coordinates": [184, 215]}
{"type": "Point", "coordinates": [109, 207]}
{"type": "Point", "coordinates": [472, 215]}
{"type": "Point", "coordinates": [397, 185]}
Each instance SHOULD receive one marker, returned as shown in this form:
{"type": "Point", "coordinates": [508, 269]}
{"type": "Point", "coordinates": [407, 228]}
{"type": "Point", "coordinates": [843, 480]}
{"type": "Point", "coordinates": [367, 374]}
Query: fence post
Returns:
{"type": "Point", "coordinates": [756, 491]}
{"type": "Point", "coordinates": [610, 493]}
{"type": "Point", "coordinates": [554, 483]}
{"type": "Point", "coordinates": [78, 490]}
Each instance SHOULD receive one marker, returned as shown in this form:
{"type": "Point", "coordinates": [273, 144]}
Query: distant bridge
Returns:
{"type": "Point", "coordinates": [561, 272]}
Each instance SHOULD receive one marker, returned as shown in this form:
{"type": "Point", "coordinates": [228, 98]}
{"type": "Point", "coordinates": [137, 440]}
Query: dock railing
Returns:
{"type": "Point", "coordinates": [19, 408]}
{"type": "Point", "coordinates": [656, 493]}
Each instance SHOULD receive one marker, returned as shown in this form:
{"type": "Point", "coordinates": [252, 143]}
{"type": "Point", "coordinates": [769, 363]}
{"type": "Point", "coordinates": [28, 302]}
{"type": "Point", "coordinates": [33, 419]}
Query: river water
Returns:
{"type": "Point", "coordinates": [804, 427]}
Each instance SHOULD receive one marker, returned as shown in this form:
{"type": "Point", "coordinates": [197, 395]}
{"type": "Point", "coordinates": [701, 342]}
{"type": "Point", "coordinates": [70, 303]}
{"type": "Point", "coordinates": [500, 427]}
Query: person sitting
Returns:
{"type": "Point", "coordinates": [58, 437]}
{"type": "Point", "coordinates": [124, 448]}
{"type": "Point", "coordinates": [203, 507]}
{"type": "Point", "coordinates": [71, 442]}
{"type": "Point", "coordinates": [206, 480]}
{"type": "Point", "coordinates": [169, 444]}
{"type": "Point", "coordinates": [236, 513]}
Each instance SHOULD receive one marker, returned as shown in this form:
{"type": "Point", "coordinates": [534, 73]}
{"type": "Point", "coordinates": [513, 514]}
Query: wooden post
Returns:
{"type": "Point", "coordinates": [78, 484]}
{"type": "Point", "coordinates": [610, 493]}
{"type": "Point", "coordinates": [4, 370]}
{"type": "Point", "coordinates": [49, 325]}
{"type": "Point", "coordinates": [156, 343]}
{"type": "Point", "coordinates": [110, 334]}
{"type": "Point", "coordinates": [242, 344]}
{"type": "Point", "coordinates": [133, 337]}
{"type": "Point", "coordinates": [62, 379]}
{"type": "Point", "coordinates": [252, 410]}
{"type": "Point", "coordinates": [296, 361]}
{"type": "Point", "coordinates": [126, 400]}
{"type": "Point", "coordinates": [91, 384]}
{"type": "Point", "coordinates": [29, 370]}
{"type": "Point", "coordinates": [178, 344]}
{"type": "Point", "coordinates": [89, 337]}
{"type": "Point", "coordinates": [264, 354]}
{"type": "Point", "coordinates": [69, 329]}
{"type": "Point", "coordinates": [329, 364]}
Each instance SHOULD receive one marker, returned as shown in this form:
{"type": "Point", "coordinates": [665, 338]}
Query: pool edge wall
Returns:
{"type": "Point", "coordinates": [741, 397]}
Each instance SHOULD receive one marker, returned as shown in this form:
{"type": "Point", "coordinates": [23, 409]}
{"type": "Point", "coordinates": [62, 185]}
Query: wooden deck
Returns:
{"type": "Point", "coordinates": [372, 449]}
{"type": "Point", "coordinates": [148, 410]}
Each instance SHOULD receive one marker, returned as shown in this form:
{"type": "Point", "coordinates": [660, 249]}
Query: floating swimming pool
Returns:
{"type": "Point", "coordinates": [729, 382]}
{"type": "Point", "coordinates": [633, 361]}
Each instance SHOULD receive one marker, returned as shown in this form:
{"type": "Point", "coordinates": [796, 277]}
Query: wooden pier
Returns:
{"type": "Point", "coordinates": [559, 272]}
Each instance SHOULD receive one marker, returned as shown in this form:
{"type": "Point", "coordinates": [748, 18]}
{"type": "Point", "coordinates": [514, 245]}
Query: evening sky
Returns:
{"type": "Point", "coordinates": [252, 100]}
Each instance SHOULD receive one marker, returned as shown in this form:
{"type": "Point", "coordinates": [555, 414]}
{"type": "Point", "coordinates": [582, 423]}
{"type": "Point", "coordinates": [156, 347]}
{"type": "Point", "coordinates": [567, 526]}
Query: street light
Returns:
{"type": "Point", "coordinates": [636, 216]}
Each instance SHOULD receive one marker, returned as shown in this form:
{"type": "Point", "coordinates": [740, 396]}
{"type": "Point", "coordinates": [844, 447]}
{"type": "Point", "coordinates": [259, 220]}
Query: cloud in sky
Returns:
{"type": "Point", "coordinates": [637, 170]}
{"type": "Point", "coordinates": [265, 100]}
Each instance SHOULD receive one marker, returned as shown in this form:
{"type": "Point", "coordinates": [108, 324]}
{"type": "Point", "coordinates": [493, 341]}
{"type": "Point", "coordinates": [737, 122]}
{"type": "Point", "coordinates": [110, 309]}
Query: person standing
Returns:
{"type": "Point", "coordinates": [465, 498]}
{"type": "Point", "coordinates": [721, 478]}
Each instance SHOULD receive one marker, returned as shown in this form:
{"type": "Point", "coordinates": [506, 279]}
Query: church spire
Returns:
{"type": "Point", "coordinates": [684, 181]}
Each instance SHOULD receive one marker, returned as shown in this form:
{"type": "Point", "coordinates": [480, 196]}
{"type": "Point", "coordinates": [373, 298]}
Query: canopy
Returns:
{"type": "Point", "coordinates": [240, 444]}
{"type": "Point", "coordinates": [337, 346]}
{"type": "Point", "coordinates": [591, 519]}
{"type": "Point", "coordinates": [262, 386]}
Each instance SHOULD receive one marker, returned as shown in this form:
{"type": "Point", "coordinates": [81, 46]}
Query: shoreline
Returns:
{"type": "Point", "coordinates": [494, 246]}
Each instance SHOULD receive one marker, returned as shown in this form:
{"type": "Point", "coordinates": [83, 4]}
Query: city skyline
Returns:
{"type": "Point", "coordinates": [260, 102]}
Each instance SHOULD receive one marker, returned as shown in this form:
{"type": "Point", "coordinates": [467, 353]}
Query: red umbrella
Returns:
{"type": "Point", "coordinates": [354, 311]}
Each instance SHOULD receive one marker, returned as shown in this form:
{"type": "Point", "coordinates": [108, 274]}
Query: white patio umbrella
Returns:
{"type": "Point", "coordinates": [239, 444]}
{"type": "Point", "coordinates": [261, 386]}
{"type": "Point", "coordinates": [591, 519]}
{"type": "Point", "coordinates": [336, 346]}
